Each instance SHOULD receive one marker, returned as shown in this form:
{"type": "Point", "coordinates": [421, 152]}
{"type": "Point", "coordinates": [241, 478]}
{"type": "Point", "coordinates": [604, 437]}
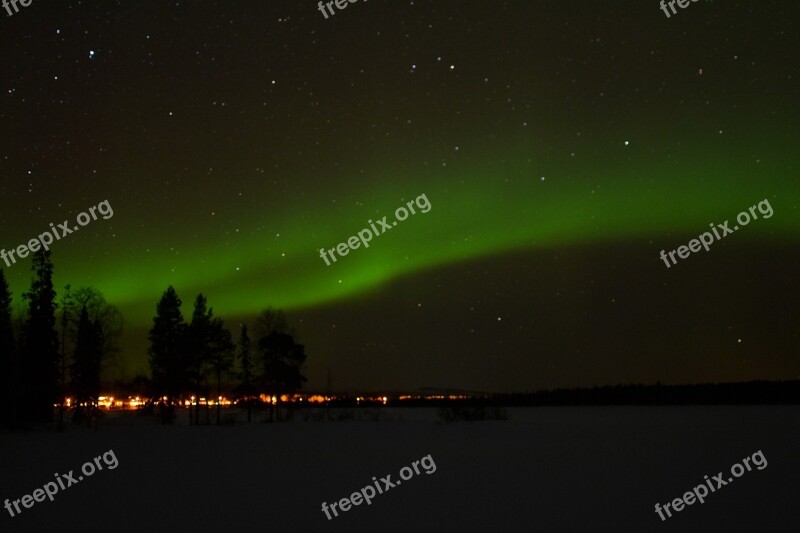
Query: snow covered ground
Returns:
{"type": "Point", "coordinates": [546, 469]}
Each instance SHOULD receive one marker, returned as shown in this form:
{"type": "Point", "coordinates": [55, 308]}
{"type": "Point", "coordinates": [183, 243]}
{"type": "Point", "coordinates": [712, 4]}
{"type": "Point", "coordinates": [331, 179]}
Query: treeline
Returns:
{"type": "Point", "coordinates": [194, 359]}
{"type": "Point", "coordinates": [53, 349]}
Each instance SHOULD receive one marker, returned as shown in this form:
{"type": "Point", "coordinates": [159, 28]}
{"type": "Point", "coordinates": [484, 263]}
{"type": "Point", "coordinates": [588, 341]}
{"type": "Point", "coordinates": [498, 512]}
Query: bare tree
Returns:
{"type": "Point", "coordinates": [271, 321]}
{"type": "Point", "coordinates": [109, 321]}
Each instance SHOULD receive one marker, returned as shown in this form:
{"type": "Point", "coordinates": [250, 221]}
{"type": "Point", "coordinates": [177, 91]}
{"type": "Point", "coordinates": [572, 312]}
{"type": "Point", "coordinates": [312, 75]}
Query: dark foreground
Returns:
{"type": "Point", "coordinates": [546, 469]}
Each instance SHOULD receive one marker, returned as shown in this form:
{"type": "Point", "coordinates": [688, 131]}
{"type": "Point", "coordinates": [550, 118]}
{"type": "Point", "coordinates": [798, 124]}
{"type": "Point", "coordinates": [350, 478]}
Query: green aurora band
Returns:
{"type": "Point", "coordinates": [477, 211]}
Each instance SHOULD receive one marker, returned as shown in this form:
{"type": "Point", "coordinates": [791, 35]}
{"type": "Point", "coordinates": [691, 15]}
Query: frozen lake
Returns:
{"type": "Point", "coordinates": [546, 469]}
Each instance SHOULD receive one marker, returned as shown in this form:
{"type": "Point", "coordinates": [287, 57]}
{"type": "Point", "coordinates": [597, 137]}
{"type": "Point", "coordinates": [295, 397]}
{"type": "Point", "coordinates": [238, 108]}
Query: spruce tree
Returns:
{"type": "Point", "coordinates": [165, 352]}
{"type": "Point", "coordinates": [198, 351]}
{"type": "Point", "coordinates": [39, 365]}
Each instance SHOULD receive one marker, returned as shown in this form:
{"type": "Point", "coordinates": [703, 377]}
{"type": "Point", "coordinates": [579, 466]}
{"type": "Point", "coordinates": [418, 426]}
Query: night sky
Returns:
{"type": "Point", "coordinates": [561, 144]}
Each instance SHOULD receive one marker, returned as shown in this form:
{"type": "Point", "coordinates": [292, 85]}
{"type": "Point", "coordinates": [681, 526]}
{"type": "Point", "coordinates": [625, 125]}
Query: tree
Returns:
{"type": "Point", "coordinates": [281, 360]}
{"type": "Point", "coordinates": [222, 353]}
{"type": "Point", "coordinates": [8, 362]}
{"type": "Point", "coordinates": [107, 319]}
{"type": "Point", "coordinates": [65, 302]}
{"type": "Point", "coordinates": [247, 370]}
{"type": "Point", "coordinates": [198, 351]}
{"type": "Point", "coordinates": [165, 352]}
{"type": "Point", "coordinates": [86, 364]}
{"type": "Point", "coordinates": [39, 366]}
{"type": "Point", "coordinates": [269, 321]}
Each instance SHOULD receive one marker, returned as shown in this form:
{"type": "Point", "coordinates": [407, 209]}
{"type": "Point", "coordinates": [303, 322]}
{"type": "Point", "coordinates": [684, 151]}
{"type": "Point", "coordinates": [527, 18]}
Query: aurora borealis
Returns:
{"type": "Point", "coordinates": [561, 145]}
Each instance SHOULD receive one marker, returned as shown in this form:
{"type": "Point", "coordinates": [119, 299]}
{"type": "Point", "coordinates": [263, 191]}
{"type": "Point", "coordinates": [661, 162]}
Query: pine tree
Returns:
{"type": "Point", "coordinates": [39, 367]}
{"type": "Point", "coordinates": [198, 351]}
{"type": "Point", "coordinates": [166, 347]}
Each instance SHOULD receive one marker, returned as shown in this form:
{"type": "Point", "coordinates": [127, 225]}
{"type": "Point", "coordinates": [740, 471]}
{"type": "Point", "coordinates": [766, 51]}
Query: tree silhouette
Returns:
{"type": "Point", "coordinates": [222, 354]}
{"type": "Point", "coordinates": [165, 352]}
{"type": "Point", "coordinates": [39, 366]}
{"type": "Point", "coordinates": [86, 364]}
{"type": "Point", "coordinates": [66, 304]}
{"type": "Point", "coordinates": [107, 319]}
{"type": "Point", "coordinates": [270, 321]}
{"type": "Point", "coordinates": [247, 370]}
{"type": "Point", "coordinates": [198, 352]}
{"type": "Point", "coordinates": [8, 363]}
{"type": "Point", "coordinates": [281, 361]}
